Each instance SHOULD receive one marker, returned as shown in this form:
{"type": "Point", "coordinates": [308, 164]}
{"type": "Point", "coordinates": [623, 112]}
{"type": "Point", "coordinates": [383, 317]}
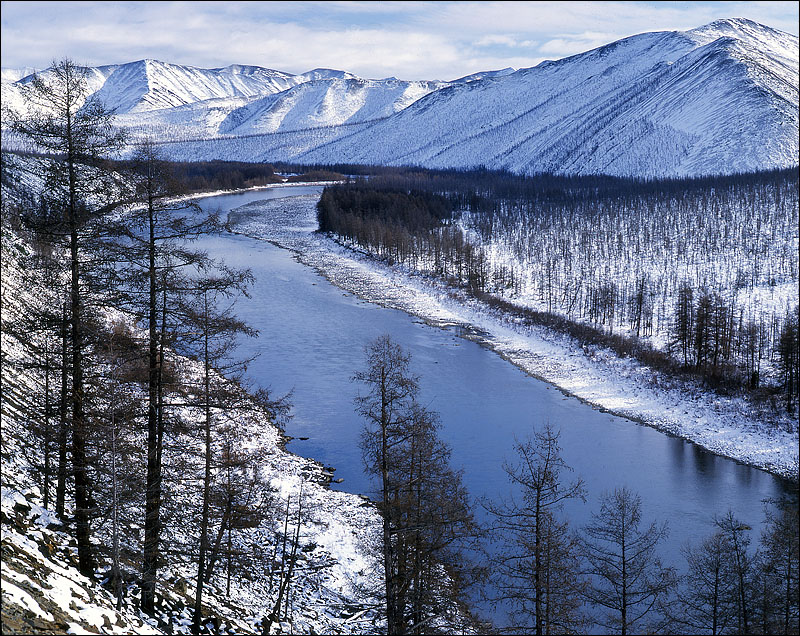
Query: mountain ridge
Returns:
{"type": "Point", "coordinates": [719, 98]}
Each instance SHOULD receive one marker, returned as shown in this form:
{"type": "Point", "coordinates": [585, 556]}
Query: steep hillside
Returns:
{"type": "Point", "coordinates": [333, 590]}
{"type": "Point", "coordinates": [722, 98]}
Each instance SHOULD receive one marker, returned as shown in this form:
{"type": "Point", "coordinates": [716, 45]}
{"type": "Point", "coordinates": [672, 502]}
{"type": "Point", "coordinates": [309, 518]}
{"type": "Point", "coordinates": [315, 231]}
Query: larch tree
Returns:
{"type": "Point", "coordinates": [780, 568]}
{"type": "Point", "coordinates": [627, 577]}
{"type": "Point", "coordinates": [391, 389]}
{"type": "Point", "coordinates": [706, 602]}
{"type": "Point", "coordinates": [62, 119]}
{"type": "Point", "coordinates": [210, 320]}
{"type": "Point", "coordinates": [423, 503]}
{"type": "Point", "coordinates": [536, 564]}
{"type": "Point", "coordinates": [151, 243]}
{"type": "Point", "coordinates": [735, 536]}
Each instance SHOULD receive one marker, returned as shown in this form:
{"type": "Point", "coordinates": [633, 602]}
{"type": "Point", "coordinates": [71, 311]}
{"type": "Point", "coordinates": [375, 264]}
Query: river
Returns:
{"type": "Point", "coordinates": [311, 341]}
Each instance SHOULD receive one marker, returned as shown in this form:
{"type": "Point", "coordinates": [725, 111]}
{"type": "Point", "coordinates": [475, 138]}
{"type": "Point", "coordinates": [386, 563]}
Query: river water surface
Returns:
{"type": "Point", "coordinates": [311, 341]}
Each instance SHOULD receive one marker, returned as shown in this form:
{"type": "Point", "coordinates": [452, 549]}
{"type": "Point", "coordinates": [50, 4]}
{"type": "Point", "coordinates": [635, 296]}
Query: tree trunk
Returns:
{"type": "Point", "coordinates": [86, 563]}
{"type": "Point", "coordinates": [201, 561]}
{"type": "Point", "coordinates": [152, 528]}
{"type": "Point", "coordinates": [63, 401]}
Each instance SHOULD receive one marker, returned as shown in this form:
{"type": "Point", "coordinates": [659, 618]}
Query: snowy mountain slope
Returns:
{"type": "Point", "coordinates": [150, 85]}
{"type": "Point", "coordinates": [325, 73]}
{"type": "Point", "coordinates": [326, 102]}
{"type": "Point", "coordinates": [483, 74]}
{"type": "Point", "coordinates": [269, 147]}
{"type": "Point", "coordinates": [721, 98]}
{"type": "Point", "coordinates": [718, 99]}
{"type": "Point", "coordinates": [15, 74]}
{"type": "Point", "coordinates": [169, 101]}
{"type": "Point", "coordinates": [12, 92]}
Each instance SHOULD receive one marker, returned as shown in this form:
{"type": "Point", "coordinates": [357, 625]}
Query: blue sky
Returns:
{"type": "Point", "coordinates": [410, 40]}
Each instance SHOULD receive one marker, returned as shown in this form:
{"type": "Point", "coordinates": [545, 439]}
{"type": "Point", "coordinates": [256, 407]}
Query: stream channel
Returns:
{"type": "Point", "coordinates": [311, 341]}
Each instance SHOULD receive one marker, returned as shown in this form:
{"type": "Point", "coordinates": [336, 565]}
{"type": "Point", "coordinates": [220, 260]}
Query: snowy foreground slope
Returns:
{"type": "Point", "coordinates": [334, 590]}
{"type": "Point", "coordinates": [727, 426]}
{"type": "Point", "coordinates": [719, 99]}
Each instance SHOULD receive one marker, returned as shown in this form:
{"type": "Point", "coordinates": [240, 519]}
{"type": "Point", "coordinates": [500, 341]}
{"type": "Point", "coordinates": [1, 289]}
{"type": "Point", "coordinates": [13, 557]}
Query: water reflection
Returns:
{"type": "Point", "coordinates": [704, 462]}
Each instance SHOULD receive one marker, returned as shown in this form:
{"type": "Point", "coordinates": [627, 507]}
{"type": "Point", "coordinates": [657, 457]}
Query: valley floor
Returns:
{"type": "Point", "coordinates": [761, 436]}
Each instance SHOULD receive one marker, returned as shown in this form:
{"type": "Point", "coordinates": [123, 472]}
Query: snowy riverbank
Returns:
{"type": "Point", "coordinates": [732, 427]}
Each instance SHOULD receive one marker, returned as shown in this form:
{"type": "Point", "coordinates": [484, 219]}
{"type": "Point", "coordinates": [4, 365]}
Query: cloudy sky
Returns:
{"type": "Point", "coordinates": [409, 40]}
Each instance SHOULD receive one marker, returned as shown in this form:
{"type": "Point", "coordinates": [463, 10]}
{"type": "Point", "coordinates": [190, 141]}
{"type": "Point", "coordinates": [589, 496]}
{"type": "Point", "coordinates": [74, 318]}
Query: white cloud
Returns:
{"type": "Point", "coordinates": [411, 40]}
{"type": "Point", "coordinates": [493, 40]}
{"type": "Point", "coordinates": [573, 44]}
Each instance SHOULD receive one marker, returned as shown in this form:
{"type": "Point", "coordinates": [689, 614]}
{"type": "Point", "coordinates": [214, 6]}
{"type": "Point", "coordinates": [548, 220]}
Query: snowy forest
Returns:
{"type": "Point", "coordinates": [692, 276]}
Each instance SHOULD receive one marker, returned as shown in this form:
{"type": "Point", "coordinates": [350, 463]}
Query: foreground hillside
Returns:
{"type": "Point", "coordinates": [332, 589]}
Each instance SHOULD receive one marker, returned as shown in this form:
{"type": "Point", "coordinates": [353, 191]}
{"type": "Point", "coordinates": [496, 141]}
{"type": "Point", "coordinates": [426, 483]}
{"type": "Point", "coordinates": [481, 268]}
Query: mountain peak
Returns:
{"type": "Point", "coordinates": [737, 25]}
{"type": "Point", "coordinates": [327, 73]}
{"type": "Point", "coordinates": [740, 29]}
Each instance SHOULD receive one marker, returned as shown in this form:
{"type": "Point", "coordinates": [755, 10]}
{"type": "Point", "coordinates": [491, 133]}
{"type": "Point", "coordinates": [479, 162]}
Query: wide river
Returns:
{"type": "Point", "coordinates": [311, 341]}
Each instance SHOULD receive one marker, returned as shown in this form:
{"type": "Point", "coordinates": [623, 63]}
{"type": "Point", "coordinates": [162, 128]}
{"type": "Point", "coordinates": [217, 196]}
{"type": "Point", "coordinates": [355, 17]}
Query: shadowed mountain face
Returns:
{"type": "Point", "coordinates": [721, 98]}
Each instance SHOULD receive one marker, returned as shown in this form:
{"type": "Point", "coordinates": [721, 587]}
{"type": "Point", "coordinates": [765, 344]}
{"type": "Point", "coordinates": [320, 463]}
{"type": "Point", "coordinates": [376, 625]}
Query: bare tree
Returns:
{"type": "Point", "coordinates": [736, 541]}
{"type": "Point", "coordinates": [706, 602]}
{"type": "Point", "coordinates": [779, 566]}
{"type": "Point", "coordinates": [79, 132]}
{"type": "Point", "coordinates": [422, 500]}
{"type": "Point", "coordinates": [385, 408]}
{"type": "Point", "coordinates": [211, 321]}
{"type": "Point", "coordinates": [150, 244]}
{"type": "Point", "coordinates": [627, 578]}
{"type": "Point", "coordinates": [537, 568]}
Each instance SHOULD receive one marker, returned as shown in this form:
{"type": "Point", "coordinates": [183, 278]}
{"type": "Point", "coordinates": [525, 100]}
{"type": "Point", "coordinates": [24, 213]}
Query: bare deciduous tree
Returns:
{"type": "Point", "coordinates": [627, 578]}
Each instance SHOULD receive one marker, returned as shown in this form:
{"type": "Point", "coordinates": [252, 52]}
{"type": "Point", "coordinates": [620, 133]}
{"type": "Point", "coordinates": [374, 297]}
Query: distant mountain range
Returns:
{"type": "Point", "coordinates": [721, 98]}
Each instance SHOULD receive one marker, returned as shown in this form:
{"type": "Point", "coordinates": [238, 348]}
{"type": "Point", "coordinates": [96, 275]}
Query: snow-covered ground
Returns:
{"type": "Point", "coordinates": [336, 584]}
{"type": "Point", "coordinates": [732, 427]}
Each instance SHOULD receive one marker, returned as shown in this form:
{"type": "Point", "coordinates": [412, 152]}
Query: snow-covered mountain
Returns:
{"type": "Point", "coordinates": [717, 99]}
{"type": "Point", "coordinates": [149, 85]}
{"type": "Point", "coordinates": [326, 102]}
{"type": "Point", "coordinates": [721, 98]}
{"type": "Point", "coordinates": [15, 74]}
{"type": "Point", "coordinates": [173, 101]}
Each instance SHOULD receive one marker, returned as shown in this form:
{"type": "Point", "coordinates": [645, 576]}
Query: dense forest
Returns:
{"type": "Point", "coordinates": [694, 276]}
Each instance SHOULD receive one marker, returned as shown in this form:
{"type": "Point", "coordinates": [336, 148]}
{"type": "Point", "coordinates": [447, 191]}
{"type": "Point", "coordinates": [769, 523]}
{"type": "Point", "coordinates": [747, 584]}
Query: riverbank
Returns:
{"type": "Point", "coordinates": [730, 427]}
